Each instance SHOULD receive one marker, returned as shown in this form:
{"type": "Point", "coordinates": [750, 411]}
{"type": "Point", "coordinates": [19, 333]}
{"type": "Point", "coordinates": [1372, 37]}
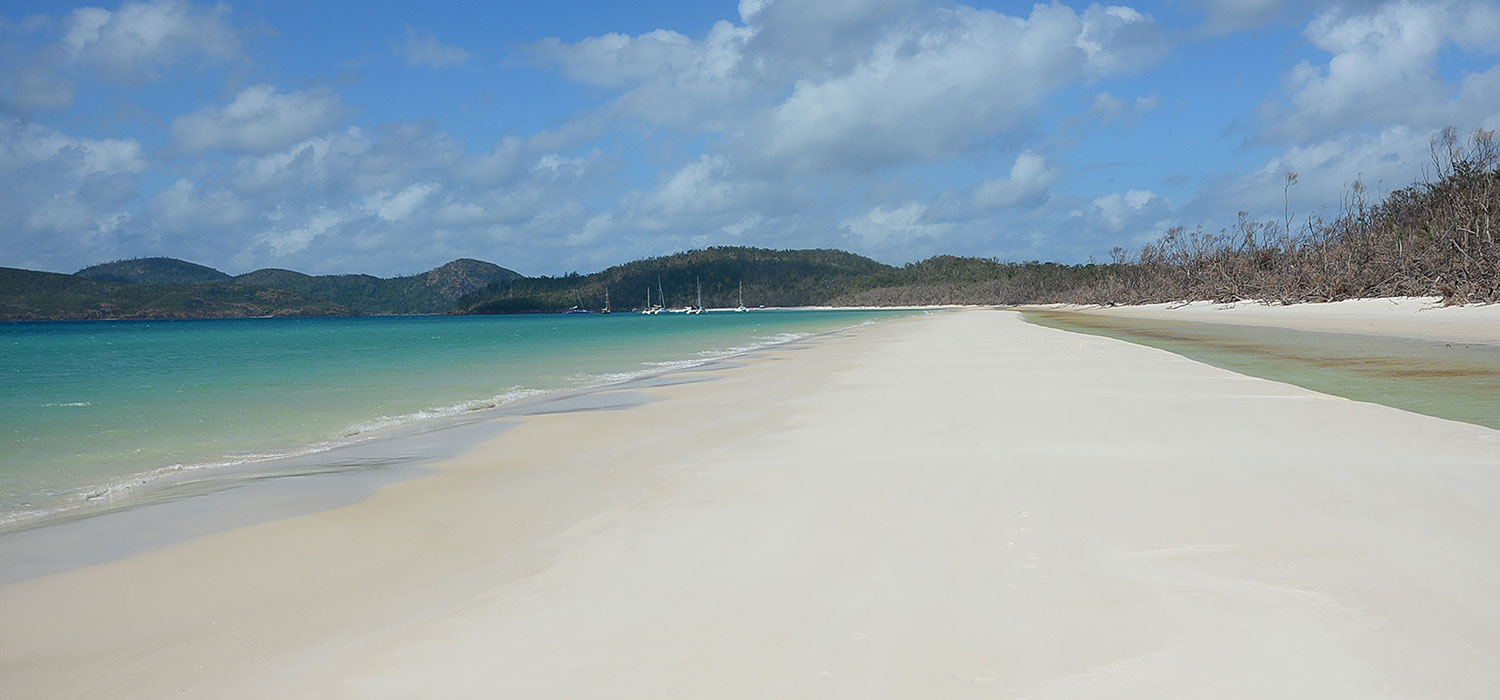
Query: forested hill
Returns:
{"type": "Point", "coordinates": [152, 271]}
{"type": "Point", "coordinates": [770, 278]}
{"type": "Point", "coordinates": [171, 288]}
{"type": "Point", "coordinates": [780, 278]}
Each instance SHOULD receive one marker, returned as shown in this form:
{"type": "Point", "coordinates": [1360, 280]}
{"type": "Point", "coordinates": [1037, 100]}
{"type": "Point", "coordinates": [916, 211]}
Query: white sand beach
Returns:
{"type": "Point", "coordinates": [957, 505]}
{"type": "Point", "coordinates": [1417, 318]}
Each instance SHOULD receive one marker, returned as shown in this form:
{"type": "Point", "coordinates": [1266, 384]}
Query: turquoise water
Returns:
{"type": "Point", "coordinates": [90, 408]}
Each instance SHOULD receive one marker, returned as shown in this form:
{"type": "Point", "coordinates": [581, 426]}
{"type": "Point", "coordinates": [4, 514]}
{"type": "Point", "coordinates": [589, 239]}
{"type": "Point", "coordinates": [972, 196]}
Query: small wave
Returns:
{"type": "Point", "coordinates": [70, 404]}
{"type": "Point", "coordinates": [780, 338]}
{"type": "Point", "coordinates": [89, 497]}
{"type": "Point", "coordinates": [384, 422]}
{"type": "Point", "coordinates": [126, 488]}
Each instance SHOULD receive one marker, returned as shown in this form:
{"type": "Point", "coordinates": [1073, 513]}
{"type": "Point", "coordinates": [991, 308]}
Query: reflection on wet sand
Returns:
{"type": "Point", "coordinates": [1453, 380]}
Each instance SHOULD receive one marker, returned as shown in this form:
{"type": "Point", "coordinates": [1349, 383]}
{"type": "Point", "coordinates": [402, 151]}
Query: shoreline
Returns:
{"type": "Point", "coordinates": [1415, 318]}
{"type": "Point", "coordinates": [1408, 353]}
{"type": "Point", "coordinates": [302, 459]}
{"type": "Point", "coordinates": [960, 505]}
{"type": "Point", "coordinates": [189, 503]}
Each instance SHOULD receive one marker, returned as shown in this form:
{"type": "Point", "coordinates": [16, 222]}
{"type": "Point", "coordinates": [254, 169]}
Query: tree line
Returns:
{"type": "Point", "coordinates": [1433, 238]}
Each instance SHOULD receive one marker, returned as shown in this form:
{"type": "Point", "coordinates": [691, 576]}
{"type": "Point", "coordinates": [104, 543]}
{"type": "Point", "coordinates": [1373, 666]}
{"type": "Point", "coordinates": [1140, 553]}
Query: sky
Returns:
{"type": "Point", "coordinates": [377, 137]}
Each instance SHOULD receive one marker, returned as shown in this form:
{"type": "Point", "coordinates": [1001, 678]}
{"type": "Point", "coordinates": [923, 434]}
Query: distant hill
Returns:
{"type": "Point", "coordinates": [152, 271]}
{"type": "Point", "coordinates": [30, 295]}
{"type": "Point", "coordinates": [787, 278]}
{"type": "Point", "coordinates": [770, 278]}
{"type": "Point", "coordinates": [434, 291]}
{"type": "Point", "coordinates": [171, 288]}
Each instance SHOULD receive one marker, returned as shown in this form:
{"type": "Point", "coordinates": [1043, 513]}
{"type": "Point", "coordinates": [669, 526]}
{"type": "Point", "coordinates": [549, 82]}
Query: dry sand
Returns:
{"type": "Point", "coordinates": [960, 505]}
{"type": "Point", "coordinates": [1416, 318]}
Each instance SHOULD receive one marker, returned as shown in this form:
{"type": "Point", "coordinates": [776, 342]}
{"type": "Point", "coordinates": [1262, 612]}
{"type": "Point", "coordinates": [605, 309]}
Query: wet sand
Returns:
{"type": "Point", "coordinates": [1413, 318]}
{"type": "Point", "coordinates": [958, 505]}
{"type": "Point", "coordinates": [1412, 354]}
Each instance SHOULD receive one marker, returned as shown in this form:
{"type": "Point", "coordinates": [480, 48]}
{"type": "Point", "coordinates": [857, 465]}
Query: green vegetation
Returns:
{"type": "Point", "coordinates": [28, 295]}
{"type": "Point", "coordinates": [431, 292]}
{"type": "Point", "coordinates": [152, 271]}
{"type": "Point", "coordinates": [946, 279]}
{"type": "Point", "coordinates": [169, 288]}
{"type": "Point", "coordinates": [770, 278]}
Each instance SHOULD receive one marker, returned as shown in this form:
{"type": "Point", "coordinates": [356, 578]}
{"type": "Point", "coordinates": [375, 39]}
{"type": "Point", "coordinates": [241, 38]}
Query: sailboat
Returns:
{"type": "Point", "coordinates": [578, 308]}
{"type": "Point", "coordinates": [699, 308]}
{"type": "Point", "coordinates": [606, 302]}
{"type": "Point", "coordinates": [663, 296]}
{"type": "Point", "coordinates": [650, 310]}
{"type": "Point", "coordinates": [741, 307]}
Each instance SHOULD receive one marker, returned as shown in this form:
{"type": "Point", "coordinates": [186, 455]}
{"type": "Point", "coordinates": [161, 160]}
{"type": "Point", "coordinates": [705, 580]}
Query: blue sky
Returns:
{"type": "Point", "coordinates": [568, 136]}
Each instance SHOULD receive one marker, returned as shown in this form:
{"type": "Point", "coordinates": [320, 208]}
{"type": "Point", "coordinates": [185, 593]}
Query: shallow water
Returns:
{"type": "Point", "coordinates": [102, 411]}
{"type": "Point", "coordinates": [1457, 381]}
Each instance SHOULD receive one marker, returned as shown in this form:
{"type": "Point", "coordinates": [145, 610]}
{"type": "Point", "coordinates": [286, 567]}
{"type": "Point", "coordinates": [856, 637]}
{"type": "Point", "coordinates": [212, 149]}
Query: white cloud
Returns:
{"type": "Point", "coordinates": [931, 90]}
{"type": "Point", "coordinates": [618, 60]}
{"type": "Point", "coordinates": [399, 205]}
{"type": "Point", "coordinates": [35, 87]}
{"type": "Point", "coordinates": [62, 193]}
{"type": "Point", "coordinates": [1118, 210]}
{"type": "Point", "coordinates": [1117, 39]}
{"type": "Point", "coordinates": [848, 86]}
{"type": "Point", "coordinates": [136, 43]}
{"type": "Point", "coordinates": [687, 205]}
{"type": "Point", "coordinates": [699, 186]}
{"type": "Point", "coordinates": [457, 213]}
{"type": "Point", "coordinates": [133, 42]}
{"type": "Point", "coordinates": [25, 146]}
{"type": "Point", "coordinates": [666, 77]}
{"type": "Point", "coordinates": [390, 200]}
{"type": "Point", "coordinates": [186, 208]}
{"type": "Point", "coordinates": [310, 164]}
{"type": "Point", "coordinates": [1382, 67]}
{"type": "Point", "coordinates": [286, 240]}
{"type": "Point", "coordinates": [423, 49]}
{"type": "Point", "coordinates": [748, 9]}
{"type": "Point", "coordinates": [82, 28]}
{"type": "Point", "coordinates": [1109, 108]}
{"type": "Point", "coordinates": [885, 229]}
{"type": "Point", "coordinates": [1027, 184]}
{"type": "Point", "coordinates": [258, 120]}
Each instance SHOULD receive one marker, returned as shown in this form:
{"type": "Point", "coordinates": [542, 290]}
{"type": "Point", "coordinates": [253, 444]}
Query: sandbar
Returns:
{"type": "Point", "coordinates": [954, 505]}
{"type": "Point", "coordinates": [1414, 318]}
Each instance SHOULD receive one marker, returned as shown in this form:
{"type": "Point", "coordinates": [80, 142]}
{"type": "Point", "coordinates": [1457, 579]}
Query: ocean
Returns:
{"type": "Point", "coordinates": [101, 414]}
